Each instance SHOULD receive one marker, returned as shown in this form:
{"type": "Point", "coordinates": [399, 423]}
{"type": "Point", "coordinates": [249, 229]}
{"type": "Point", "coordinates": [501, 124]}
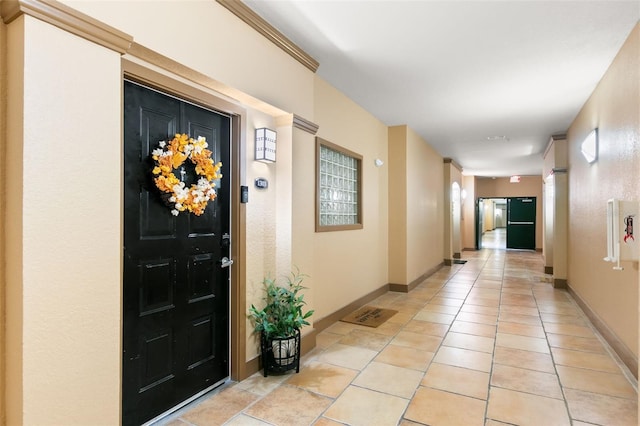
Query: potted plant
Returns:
{"type": "Point", "coordinates": [279, 322]}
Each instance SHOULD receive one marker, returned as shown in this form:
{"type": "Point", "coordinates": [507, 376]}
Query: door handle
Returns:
{"type": "Point", "coordinates": [520, 223]}
{"type": "Point", "coordinates": [225, 262]}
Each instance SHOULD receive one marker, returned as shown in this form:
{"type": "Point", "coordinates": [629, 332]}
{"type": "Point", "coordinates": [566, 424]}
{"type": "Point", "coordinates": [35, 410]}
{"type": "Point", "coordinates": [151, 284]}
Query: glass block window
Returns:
{"type": "Point", "coordinates": [338, 188]}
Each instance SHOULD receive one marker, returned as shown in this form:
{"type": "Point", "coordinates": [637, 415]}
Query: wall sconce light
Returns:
{"type": "Point", "coordinates": [378, 162]}
{"type": "Point", "coordinates": [265, 145]}
{"type": "Point", "coordinates": [589, 147]}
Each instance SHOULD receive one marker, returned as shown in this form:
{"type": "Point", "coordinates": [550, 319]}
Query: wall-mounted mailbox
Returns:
{"type": "Point", "coordinates": [622, 244]}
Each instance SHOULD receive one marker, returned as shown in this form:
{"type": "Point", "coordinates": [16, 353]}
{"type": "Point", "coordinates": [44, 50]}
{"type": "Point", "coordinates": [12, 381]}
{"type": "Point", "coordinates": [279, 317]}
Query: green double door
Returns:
{"type": "Point", "coordinates": [521, 223]}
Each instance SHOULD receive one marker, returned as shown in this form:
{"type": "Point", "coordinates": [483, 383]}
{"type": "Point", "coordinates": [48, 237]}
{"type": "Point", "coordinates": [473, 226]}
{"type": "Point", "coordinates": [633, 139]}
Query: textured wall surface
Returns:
{"type": "Point", "coordinates": [416, 218]}
{"type": "Point", "coordinates": [208, 38]}
{"type": "Point", "coordinates": [614, 109]}
{"type": "Point", "coordinates": [425, 207]}
{"type": "Point", "coordinates": [3, 94]}
{"type": "Point", "coordinates": [468, 213]}
{"type": "Point", "coordinates": [350, 264]}
{"type": "Point", "coordinates": [64, 272]}
{"type": "Point", "coordinates": [398, 204]}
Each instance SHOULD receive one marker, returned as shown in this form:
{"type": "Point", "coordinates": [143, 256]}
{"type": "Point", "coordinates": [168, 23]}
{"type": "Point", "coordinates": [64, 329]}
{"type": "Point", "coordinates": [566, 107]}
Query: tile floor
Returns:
{"type": "Point", "coordinates": [495, 239]}
{"type": "Point", "coordinates": [488, 343]}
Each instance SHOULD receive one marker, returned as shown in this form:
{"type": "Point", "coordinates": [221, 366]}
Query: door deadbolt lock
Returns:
{"type": "Point", "coordinates": [225, 262]}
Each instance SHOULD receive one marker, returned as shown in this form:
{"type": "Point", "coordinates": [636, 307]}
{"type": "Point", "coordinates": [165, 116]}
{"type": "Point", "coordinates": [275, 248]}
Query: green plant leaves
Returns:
{"type": "Point", "coordinates": [283, 310]}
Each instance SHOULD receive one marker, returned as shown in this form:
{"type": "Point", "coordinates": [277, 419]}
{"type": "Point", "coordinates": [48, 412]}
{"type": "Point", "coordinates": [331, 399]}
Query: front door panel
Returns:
{"type": "Point", "coordinates": [176, 297]}
{"type": "Point", "coordinates": [521, 223]}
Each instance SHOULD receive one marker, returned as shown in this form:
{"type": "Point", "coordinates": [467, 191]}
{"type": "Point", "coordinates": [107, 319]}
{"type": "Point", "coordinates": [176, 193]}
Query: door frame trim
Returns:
{"type": "Point", "coordinates": [171, 85]}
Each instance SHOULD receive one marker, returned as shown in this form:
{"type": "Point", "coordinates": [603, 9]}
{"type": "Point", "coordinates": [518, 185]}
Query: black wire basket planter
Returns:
{"type": "Point", "coordinates": [280, 354]}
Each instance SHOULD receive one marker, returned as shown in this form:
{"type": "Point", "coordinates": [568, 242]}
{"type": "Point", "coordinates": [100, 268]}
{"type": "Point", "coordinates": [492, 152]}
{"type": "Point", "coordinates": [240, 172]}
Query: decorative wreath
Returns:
{"type": "Point", "coordinates": [171, 156]}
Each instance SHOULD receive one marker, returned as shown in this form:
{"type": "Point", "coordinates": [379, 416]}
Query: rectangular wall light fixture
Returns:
{"type": "Point", "coordinates": [589, 147]}
{"type": "Point", "coordinates": [265, 145]}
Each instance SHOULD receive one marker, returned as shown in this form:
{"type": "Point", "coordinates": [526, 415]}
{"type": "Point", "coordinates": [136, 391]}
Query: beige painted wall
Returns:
{"type": "Point", "coordinates": [452, 235]}
{"type": "Point", "coordinates": [215, 42]}
{"type": "Point", "coordinates": [398, 177]}
{"type": "Point", "coordinates": [555, 216]}
{"type": "Point", "coordinates": [346, 264]}
{"type": "Point", "coordinates": [262, 221]}
{"type": "Point", "coordinates": [303, 219]}
{"type": "Point", "coordinates": [3, 139]}
{"type": "Point", "coordinates": [13, 211]}
{"type": "Point", "coordinates": [422, 216]}
{"type": "Point", "coordinates": [614, 109]}
{"type": "Point", "coordinates": [529, 186]}
{"type": "Point", "coordinates": [425, 206]}
{"type": "Point", "coordinates": [468, 213]}
{"type": "Point", "coordinates": [489, 207]}
{"type": "Point", "coordinates": [63, 204]}
{"type": "Point", "coordinates": [548, 208]}
{"type": "Point", "coordinates": [560, 226]}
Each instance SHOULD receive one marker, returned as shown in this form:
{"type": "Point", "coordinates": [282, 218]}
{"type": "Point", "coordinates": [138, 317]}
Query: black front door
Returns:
{"type": "Point", "coordinates": [175, 289]}
{"type": "Point", "coordinates": [521, 223]}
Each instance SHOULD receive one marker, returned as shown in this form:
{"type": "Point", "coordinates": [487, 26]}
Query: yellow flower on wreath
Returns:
{"type": "Point", "coordinates": [171, 156]}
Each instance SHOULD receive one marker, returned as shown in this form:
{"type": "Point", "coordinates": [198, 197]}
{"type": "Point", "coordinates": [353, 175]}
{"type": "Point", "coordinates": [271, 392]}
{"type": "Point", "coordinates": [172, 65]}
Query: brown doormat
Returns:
{"type": "Point", "coordinates": [369, 316]}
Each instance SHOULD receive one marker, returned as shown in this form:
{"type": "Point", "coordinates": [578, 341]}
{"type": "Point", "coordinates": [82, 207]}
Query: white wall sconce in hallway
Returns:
{"type": "Point", "coordinates": [378, 162]}
{"type": "Point", "coordinates": [589, 147]}
{"type": "Point", "coordinates": [265, 145]}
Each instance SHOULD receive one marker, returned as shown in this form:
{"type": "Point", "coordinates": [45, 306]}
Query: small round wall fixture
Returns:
{"type": "Point", "coordinates": [378, 162]}
{"type": "Point", "coordinates": [261, 183]}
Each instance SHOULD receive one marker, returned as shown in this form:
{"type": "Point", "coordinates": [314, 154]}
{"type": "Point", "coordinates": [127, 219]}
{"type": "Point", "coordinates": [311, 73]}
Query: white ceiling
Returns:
{"type": "Point", "coordinates": [485, 83]}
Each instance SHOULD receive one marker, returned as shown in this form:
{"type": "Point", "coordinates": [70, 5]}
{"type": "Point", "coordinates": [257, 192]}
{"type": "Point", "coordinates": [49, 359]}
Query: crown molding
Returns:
{"type": "Point", "coordinates": [68, 19]}
{"type": "Point", "coordinates": [296, 122]}
{"type": "Point", "coordinates": [447, 160]}
{"type": "Point", "coordinates": [304, 124]}
{"type": "Point", "coordinates": [9, 10]}
{"type": "Point", "coordinates": [255, 21]}
{"type": "Point", "coordinates": [553, 139]}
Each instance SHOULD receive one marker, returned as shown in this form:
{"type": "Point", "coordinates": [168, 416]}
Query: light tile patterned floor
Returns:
{"type": "Point", "coordinates": [488, 343]}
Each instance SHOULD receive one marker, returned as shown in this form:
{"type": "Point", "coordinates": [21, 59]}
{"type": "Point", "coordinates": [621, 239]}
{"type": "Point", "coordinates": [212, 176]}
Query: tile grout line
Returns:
{"type": "Point", "coordinates": [623, 368]}
{"type": "Point", "coordinates": [586, 323]}
{"type": "Point", "coordinates": [553, 360]}
{"type": "Point", "coordinates": [495, 344]}
{"type": "Point", "coordinates": [360, 371]}
{"type": "Point", "coordinates": [484, 263]}
{"type": "Point", "coordinates": [430, 363]}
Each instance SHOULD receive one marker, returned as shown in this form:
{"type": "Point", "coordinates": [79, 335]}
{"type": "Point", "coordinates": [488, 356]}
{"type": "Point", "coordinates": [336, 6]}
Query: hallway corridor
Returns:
{"type": "Point", "coordinates": [495, 239]}
{"type": "Point", "coordinates": [488, 343]}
